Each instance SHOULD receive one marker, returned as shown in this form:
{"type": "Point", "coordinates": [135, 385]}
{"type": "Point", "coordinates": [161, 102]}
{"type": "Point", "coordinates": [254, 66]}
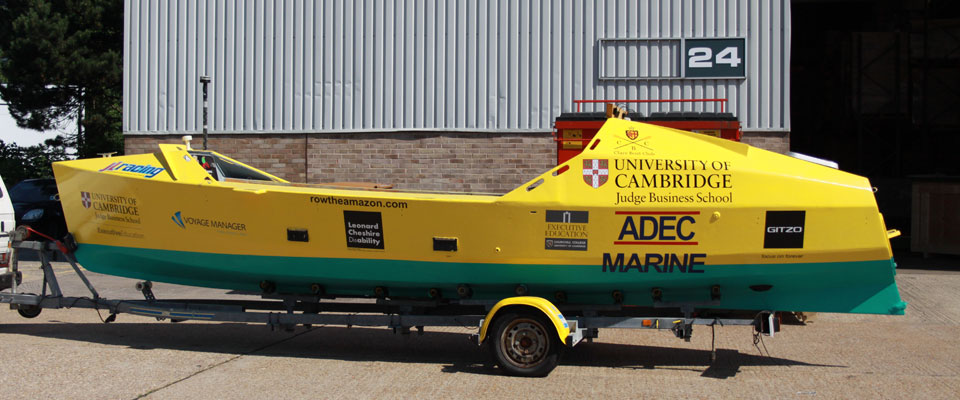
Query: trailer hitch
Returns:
{"type": "Point", "coordinates": [683, 328]}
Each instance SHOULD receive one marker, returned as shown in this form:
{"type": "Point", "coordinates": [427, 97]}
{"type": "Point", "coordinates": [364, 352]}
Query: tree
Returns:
{"type": "Point", "coordinates": [63, 59]}
{"type": "Point", "coordinates": [19, 163]}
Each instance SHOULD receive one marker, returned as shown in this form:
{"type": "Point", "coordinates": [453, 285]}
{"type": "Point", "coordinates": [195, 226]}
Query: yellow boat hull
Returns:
{"type": "Point", "coordinates": [646, 214]}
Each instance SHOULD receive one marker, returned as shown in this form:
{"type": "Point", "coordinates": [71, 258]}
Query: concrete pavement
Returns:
{"type": "Point", "coordinates": [71, 354]}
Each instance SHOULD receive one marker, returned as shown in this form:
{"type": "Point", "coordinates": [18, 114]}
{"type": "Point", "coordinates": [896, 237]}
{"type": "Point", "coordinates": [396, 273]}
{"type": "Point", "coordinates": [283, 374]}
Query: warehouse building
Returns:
{"type": "Point", "coordinates": [439, 95]}
{"type": "Point", "coordinates": [463, 95]}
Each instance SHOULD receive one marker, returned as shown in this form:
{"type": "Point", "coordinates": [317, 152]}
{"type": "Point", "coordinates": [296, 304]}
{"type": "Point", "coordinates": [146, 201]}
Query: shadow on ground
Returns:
{"type": "Point", "coordinates": [453, 351]}
{"type": "Point", "coordinates": [930, 262]}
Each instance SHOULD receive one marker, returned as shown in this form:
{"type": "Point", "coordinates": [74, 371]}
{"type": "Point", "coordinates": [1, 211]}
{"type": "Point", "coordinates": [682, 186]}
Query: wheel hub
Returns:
{"type": "Point", "coordinates": [525, 343]}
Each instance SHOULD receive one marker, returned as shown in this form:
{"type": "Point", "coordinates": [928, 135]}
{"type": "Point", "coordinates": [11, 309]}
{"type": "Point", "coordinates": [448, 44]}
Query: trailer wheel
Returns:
{"type": "Point", "coordinates": [29, 311]}
{"type": "Point", "coordinates": [525, 344]}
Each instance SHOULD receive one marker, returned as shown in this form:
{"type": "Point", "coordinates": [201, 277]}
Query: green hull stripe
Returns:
{"type": "Point", "coordinates": [846, 287]}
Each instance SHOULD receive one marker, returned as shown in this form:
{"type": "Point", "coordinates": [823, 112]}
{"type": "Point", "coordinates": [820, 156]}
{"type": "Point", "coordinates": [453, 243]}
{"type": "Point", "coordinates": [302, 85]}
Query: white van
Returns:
{"type": "Point", "coordinates": [6, 226]}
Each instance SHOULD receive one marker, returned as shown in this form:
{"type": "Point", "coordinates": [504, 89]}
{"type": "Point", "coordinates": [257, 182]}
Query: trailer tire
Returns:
{"type": "Point", "coordinates": [525, 344]}
{"type": "Point", "coordinates": [29, 311]}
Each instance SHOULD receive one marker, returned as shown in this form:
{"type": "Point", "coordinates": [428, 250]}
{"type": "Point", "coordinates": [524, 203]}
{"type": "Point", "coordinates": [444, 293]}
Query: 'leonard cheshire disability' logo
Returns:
{"type": "Point", "coordinates": [595, 172]}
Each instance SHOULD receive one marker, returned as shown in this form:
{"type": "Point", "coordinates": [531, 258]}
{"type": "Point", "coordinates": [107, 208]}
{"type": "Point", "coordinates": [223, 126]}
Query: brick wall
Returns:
{"type": "Point", "coordinates": [281, 155]}
{"type": "Point", "coordinates": [773, 141]}
{"type": "Point", "coordinates": [471, 162]}
{"type": "Point", "coordinates": [475, 162]}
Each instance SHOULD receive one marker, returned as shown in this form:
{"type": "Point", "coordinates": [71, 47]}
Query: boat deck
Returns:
{"type": "Point", "coordinates": [359, 189]}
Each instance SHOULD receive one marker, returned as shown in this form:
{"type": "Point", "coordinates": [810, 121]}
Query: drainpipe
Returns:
{"type": "Point", "coordinates": [204, 80]}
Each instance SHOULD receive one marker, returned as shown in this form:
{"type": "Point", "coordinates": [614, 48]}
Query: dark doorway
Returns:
{"type": "Point", "coordinates": [875, 86]}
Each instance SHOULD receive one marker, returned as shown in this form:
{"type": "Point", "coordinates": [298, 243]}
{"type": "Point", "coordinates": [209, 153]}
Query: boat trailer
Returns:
{"type": "Point", "coordinates": [523, 340]}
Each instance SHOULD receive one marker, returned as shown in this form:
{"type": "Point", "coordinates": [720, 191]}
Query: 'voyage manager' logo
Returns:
{"type": "Point", "coordinates": [220, 225]}
{"type": "Point", "coordinates": [177, 219]}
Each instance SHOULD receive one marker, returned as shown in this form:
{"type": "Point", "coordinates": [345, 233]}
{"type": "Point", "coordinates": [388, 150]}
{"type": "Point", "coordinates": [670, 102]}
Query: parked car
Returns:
{"type": "Point", "coordinates": [6, 226]}
{"type": "Point", "coordinates": [37, 204]}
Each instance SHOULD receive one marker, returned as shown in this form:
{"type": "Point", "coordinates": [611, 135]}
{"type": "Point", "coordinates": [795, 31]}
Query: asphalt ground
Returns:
{"type": "Point", "coordinates": [72, 354]}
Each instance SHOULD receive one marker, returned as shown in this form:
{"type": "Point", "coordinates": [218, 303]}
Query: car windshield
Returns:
{"type": "Point", "coordinates": [34, 191]}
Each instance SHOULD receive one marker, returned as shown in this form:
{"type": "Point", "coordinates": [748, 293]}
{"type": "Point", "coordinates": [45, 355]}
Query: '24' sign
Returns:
{"type": "Point", "coordinates": [715, 58]}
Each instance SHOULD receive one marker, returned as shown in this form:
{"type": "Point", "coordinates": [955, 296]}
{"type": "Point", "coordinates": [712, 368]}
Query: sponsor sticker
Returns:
{"type": "Point", "coordinates": [684, 263]}
{"type": "Point", "coordinates": [566, 230]}
{"type": "Point", "coordinates": [658, 228]}
{"type": "Point", "coordinates": [148, 171]}
{"type": "Point", "coordinates": [595, 172]}
{"type": "Point", "coordinates": [631, 144]}
{"type": "Point", "coordinates": [642, 181]}
{"type": "Point", "coordinates": [109, 208]}
{"type": "Point", "coordinates": [119, 232]}
{"type": "Point", "coordinates": [217, 224]}
{"type": "Point", "coordinates": [336, 201]}
{"type": "Point", "coordinates": [784, 230]}
{"type": "Point", "coordinates": [85, 199]}
{"type": "Point", "coordinates": [364, 229]}
{"type": "Point", "coordinates": [568, 217]}
{"type": "Point", "coordinates": [663, 229]}
{"type": "Point", "coordinates": [565, 244]}
{"type": "Point", "coordinates": [115, 215]}
{"type": "Point", "coordinates": [178, 219]}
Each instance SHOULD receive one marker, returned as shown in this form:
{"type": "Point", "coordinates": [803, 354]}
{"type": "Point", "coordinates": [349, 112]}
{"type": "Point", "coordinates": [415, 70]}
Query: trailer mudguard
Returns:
{"type": "Point", "coordinates": [537, 303]}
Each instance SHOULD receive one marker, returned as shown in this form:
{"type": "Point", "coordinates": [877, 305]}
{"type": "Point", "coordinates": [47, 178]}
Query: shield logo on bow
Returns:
{"type": "Point", "coordinates": [595, 172]}
{"type": "Point", "coordinates": [85, 199]}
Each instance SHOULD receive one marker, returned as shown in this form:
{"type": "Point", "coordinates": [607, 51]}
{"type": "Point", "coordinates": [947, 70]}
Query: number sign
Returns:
{"type": "Point", "coordinates": [715, 58]}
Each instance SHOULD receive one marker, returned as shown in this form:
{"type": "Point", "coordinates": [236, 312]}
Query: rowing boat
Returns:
{"type": "Point", "coordinates": [646, 215]}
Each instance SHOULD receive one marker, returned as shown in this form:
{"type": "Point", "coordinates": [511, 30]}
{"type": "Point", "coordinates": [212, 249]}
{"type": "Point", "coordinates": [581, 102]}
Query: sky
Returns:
{"type": "Point", "coordinates": [9, 132]}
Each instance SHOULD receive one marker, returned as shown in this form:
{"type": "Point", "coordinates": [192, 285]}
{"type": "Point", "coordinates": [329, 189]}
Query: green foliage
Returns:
{"type": "Point", "coordinates": [19, 163]}
{"type": "Point", "coordinates": [61, 58]}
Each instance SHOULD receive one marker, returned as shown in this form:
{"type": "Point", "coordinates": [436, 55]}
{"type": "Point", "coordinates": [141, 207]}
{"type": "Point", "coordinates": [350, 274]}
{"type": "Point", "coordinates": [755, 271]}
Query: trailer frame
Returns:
{"type": "Point", "coordinates": [286, 311]}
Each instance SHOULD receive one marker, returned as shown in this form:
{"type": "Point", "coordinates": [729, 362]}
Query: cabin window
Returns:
{"type": "Point", "coordinates": [221, 168]}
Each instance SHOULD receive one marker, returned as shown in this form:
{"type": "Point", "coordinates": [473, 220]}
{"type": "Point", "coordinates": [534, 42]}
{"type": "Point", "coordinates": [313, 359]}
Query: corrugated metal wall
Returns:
{"type": "Point", "coordinates": [489, 65]}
